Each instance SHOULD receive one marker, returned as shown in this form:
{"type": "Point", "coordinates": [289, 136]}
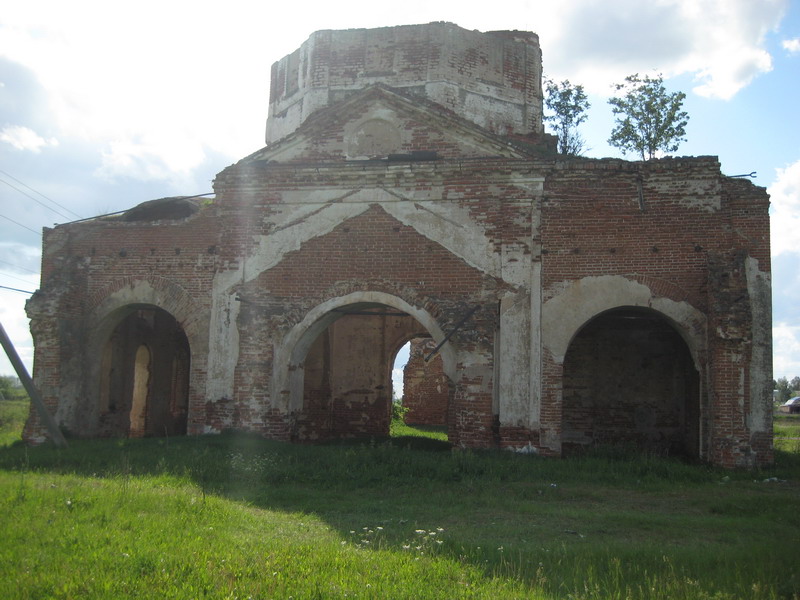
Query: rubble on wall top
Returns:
{"type": "Point", "coordinates": [171, 209]}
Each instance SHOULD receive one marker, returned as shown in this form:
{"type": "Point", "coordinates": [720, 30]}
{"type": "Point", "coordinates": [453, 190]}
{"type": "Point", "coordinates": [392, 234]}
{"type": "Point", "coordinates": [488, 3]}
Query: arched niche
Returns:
{"type": "Point", "coordinates": [143, 373]}
{"type": "Point", "coordinates": [629, 379]}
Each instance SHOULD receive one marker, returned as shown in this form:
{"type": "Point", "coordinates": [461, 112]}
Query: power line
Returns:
{"type": "Point", "coordinates": [21, 225]}
{"type": "Point", "coordinates": [5, 287]}
{"type": "Point", "coordinates": [39, 202]}
{"type": "Point", "coordinates": [17, 278]}
{"type": "Point", "coordinates": [5, 262]}
{"type": "Point", "coordinates": [41, 194]}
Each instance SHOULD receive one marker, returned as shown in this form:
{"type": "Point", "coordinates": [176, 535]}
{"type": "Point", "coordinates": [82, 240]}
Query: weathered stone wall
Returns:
{"type": "Point", "coordinates": [93, 272]}
{"type": "Point", "coordinates": [375, 245]}
{"type": "Point", "coordinates": [671, 235]}
{"type": "Point", "coordinates": [492, 79]}
{"type": "Point", "coordinates": [401, 202]}
{"type": "Point", "coordinates": [629, 380]}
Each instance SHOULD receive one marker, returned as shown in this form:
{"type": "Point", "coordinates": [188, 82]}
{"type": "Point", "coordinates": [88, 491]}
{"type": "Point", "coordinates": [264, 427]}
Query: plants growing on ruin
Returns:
{"type": "Point", "coordinates": [568, 104]}
{"type": "Point", "coordinates": [649, 120]}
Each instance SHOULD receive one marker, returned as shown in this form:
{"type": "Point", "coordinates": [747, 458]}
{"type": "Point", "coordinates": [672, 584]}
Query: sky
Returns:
{"type": "Point", "coordinates": [104, 105]}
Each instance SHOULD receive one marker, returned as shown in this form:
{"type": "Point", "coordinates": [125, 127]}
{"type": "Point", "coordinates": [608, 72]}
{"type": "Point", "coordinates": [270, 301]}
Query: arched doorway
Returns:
{"type": "Point", "coordinates": [629, 379]}
{"type": "Point", "coordinates": [144, 375]}
{"type": "Point", "coordinates": [346, 372]}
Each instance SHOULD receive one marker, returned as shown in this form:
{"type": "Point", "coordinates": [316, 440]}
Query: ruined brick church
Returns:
{"type": "Point", "coordinates": [407, 191]}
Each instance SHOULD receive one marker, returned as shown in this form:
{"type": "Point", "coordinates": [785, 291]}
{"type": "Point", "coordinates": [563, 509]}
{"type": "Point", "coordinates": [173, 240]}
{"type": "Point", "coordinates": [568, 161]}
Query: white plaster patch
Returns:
{"type": "Point", "coordinates": [452, 227]}
{"type": "Point", "coordinates": [701, 193]}
{"type": "Point", "coordinates": [516, 264]}
{"type": "Point", "coordinates": [377, 134]}
{"type": "Point", "coordinates": [759, 290]}
{"type": "Point", "coordinates": [564, 314]}
{"type": "Point", "coordinates": [223, 347]}
{"type": "Point", "coordinates": [513, 361]}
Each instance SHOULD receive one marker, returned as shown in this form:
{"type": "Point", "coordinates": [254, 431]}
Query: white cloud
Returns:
{"type": "Point", "coordinates": [730, 70]}
{"type": "Point", "coordinates": [151, 159]}
{"type": "Point", "coordinates": [397, 382]}
{"type": "Point", "coordinates": [785, 202]}
{"type": "Point", "coordinates": [720, 42]}
{"type": "Point", "coordinates": [793, 45]}
{"type": "Point", "coordinates": [153, 92]}
{"type": "Point", "coordinates": [23, 138]}
{"type": "Point", "coordinates": [157, 94]}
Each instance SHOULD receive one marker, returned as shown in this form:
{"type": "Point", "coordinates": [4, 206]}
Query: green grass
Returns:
{"type": "Point", "coordinates": [237, 516]}
{"type": "Point", "coordinates": [786, 429]}
{"type": "Point", "coordinates": [13, 414]}
{"type": "Point", "coordinates": [401, 430]}
{"type": "Point", "coordinates": [786, 425]}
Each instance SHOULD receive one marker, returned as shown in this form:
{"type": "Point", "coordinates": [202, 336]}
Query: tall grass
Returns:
{"type": "Point", "coordinates": [13, 414]}
{"type": "Point", "coordinates": [238, 516]}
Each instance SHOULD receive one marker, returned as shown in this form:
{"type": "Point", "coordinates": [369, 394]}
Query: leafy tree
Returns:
{"type": "Point", "coordinates": [569, 105]}
{"type": "Point", "coordinates": [648, 119]}
{"type": "Point", "coordinates": [11, 388]}
{"type": "Point", "coordinates": [6, 386]}
{"type": "Point", "coordinates": [794, 384]}
{"type": "Point", "coordinates": [784, 391]}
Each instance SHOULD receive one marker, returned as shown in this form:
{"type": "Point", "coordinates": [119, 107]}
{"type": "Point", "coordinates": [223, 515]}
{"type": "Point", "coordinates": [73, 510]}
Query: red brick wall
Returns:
{"type": "Point", "coordinates": [426, 389]}
{"type": "Point", "coordinates": [370, 252]}
{"type": "Point", "coordinates": [675, 225]}
{"type": "Point", "coordinates": [682, 229]}
{"type": "Point", "coordinates": [505, 65]}
{"type": "Point", "coordinates": [629, 379]}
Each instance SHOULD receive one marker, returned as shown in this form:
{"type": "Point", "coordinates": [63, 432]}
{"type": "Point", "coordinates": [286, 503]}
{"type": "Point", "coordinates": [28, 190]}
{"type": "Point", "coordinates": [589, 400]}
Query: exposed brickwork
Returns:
{"type": "Point", "coordinates": [325, 252]}
{"type": "Point", "coordinates": [494, 78]}
{"type": "Point", "coordinates": [595, 222]}
{"type": "Point", "coordinates": [629, 379]}
{"type": "Point", "coordinates": [426, 388]}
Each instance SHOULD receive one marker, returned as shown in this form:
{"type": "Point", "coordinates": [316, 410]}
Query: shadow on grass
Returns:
{"type": "Point", "coordinates": [482, 499]}
{"type": "Point", "coordinates": [406, 442]}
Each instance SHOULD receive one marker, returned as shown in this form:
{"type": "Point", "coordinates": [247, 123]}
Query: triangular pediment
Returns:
{"type": "Point", "coordinates": [401, 244]}
{"type": "Point", "coordinates": [381, 123]}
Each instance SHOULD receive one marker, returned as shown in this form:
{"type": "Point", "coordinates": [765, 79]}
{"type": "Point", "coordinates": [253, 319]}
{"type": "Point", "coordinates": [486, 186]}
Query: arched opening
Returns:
{"type": "Point", "coordinates": [144, 375]}
{"type": "Point", "coordinates": [347, 387]}
{"type": "Point", "coordinates": [398, 370]}
{"type": "Point", "coordinates": [629, 379]}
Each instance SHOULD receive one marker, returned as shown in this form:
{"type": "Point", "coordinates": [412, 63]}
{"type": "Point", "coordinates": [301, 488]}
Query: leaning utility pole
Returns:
{"type": "Point", "coordinates": [27, 382]}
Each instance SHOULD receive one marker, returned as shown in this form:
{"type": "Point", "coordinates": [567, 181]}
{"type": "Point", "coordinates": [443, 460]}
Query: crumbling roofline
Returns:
{"type": "Point", "coordinates": [122, 212]}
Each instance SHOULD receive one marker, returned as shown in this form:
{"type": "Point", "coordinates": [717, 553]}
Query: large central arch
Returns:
{"type": "Point", "coordinates": [355, 315]}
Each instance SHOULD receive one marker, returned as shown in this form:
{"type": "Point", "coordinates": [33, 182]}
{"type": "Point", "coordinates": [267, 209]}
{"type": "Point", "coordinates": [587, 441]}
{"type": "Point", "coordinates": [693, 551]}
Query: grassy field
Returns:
{"type": "Point", "coordinates": [236, 516]}
{"type": "Point", "coordinates": [787, 432]}
{"type": "Point", "coordinates": [13, 414]}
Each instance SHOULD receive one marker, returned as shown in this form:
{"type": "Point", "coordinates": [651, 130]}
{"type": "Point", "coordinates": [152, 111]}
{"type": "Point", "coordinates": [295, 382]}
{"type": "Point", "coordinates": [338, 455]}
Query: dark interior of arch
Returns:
{"type": "Point", "coordinates": [145, 376]}
{"type": "Point", "coordinates": [629, 380]}
{"type": "Point", "coordinates": [347, 381]}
